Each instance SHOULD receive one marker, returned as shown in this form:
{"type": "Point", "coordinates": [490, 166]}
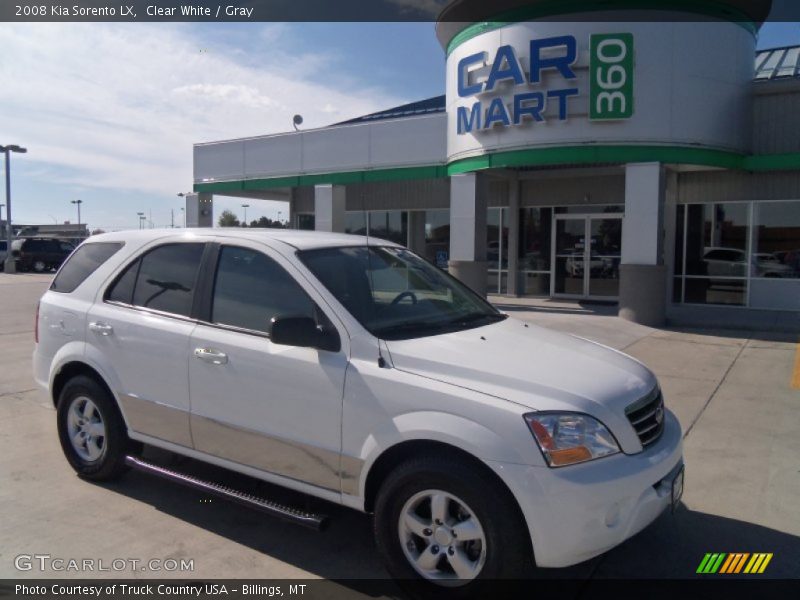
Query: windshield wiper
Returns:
{"type": "Point", "coordinates": [471, 318]}
{"type": "Point", "coordinates": [407, 327]}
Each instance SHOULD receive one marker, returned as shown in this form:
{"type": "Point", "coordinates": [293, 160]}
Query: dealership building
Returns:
{"type": "Point", "coordinates": [650, 161]}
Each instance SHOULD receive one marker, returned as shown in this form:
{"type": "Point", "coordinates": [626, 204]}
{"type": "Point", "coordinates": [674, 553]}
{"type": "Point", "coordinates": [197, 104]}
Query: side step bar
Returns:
{"type": "Point", "coordinates": [306, 519]}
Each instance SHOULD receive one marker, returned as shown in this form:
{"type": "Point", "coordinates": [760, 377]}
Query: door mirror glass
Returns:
{"type": "Point", "coordinates": [303, 332]}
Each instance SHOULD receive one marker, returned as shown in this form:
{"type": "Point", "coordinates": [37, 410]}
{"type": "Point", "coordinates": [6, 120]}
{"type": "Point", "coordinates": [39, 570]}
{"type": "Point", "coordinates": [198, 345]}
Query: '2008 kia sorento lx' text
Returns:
{"type": "Point", "coordinates": [355, 371]}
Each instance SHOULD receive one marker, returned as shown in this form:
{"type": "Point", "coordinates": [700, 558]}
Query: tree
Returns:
{"type": "Point", "coordinates": [228, 219]}
{"type": "Point", "coordinates": [98, 231]}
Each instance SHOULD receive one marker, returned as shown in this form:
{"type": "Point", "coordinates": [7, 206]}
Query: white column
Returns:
{"type": "Point", "coordinates": [642, 275]}
{"type": "Point", "coordinates": [468, 205]}
{"type": "Point", "coordinates": [642, 235]}
{"type": "Point", "coordinates": [329, 207]}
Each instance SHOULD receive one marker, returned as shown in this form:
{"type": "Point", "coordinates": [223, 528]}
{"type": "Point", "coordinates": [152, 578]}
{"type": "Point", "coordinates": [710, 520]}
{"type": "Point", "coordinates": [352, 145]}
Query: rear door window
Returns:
{"type": "Point", "coordinates": [83, 263]}
{"type": "Point", "coordinates": [164, 279]}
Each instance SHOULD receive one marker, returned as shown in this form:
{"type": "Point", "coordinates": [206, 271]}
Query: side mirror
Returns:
{"type": "Point", "coordinates": [303, 332]}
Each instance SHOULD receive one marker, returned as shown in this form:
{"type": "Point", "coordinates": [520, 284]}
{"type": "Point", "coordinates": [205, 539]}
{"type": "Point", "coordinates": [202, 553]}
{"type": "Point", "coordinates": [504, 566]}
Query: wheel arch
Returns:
{"type": "Point", "coordinates": [394, 456]}
{"type": "Point", "coordinates": [73, 369]}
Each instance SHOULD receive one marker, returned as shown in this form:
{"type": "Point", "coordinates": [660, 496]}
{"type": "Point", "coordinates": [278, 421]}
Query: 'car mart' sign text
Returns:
{"type": "Point", "coordinates": [610, 88]}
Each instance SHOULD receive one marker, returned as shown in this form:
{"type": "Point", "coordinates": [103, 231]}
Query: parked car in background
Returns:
{"type": "Point", "coordinates": [732, 262]}
{"type": "Point", "coordinates": [3, 253]}
{"type": "Point", "coordinates": [40, 254]}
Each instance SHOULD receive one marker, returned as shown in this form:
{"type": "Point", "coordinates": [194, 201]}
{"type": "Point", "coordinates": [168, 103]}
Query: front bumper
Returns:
{"type": "Point", "coordinates": [575, 513]}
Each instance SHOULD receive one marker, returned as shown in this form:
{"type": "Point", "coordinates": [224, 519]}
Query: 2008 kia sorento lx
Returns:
{"type": "Point", "coordinates": [353, 370]}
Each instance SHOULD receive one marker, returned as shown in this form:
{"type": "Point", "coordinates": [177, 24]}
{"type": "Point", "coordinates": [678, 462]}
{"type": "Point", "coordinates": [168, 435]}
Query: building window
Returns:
{"type": "Point", "coordinates": [497, 249]}
{"type": "Point", "coordinates": [535, 226]}
{"type": "Point", "coordinates": [437, 237]}
{"type": "Point", "coordinates": [306, 222]}
{"type": "Point", "coordinates": [389, 225]}
{"type": "Point", "coordinates": [739, 254]}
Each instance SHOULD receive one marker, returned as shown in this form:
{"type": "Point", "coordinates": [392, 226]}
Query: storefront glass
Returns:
{"type": "Point", "coordinates": [738, 253]}
{"type": "Point", "coordinates": [535, 226]}
{"type": "Point", "coordinates": [389, 225]}
{"type": "Point", "coordinates": [437, 237]}
{"type": "Point", "coordinates": [497, 249]}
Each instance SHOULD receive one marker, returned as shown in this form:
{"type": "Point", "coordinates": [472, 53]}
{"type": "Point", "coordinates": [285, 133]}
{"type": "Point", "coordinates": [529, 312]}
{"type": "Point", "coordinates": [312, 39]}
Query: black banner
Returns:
{"type": "Point", "coordinates": [464, 11]}
{"type": "Point", "coordinates": [711, 588]}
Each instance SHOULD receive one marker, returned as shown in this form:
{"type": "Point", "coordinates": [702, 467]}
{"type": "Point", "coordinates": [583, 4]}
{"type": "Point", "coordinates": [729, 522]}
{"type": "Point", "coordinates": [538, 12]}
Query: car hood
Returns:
{"type": "Point", "coordinates": [534, 367]}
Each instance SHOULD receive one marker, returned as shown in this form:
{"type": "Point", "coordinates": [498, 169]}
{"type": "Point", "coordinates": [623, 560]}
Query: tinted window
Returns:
{"type": "Point", "coordinates": [122, 289]}
{"type": "Point", "coordinates": [251, 289]}
{"type": "Point", "coordinates": [167, 278]}
{"type": "Point", "coordinates": [33, 246]}
{"type": "Point", "coordinates": [83, 263]}
{"type": "Point", "coordinates": [65, 247]}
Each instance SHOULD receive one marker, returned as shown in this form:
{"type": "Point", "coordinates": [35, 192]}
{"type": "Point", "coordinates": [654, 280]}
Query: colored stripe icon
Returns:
{"type": "Point", "coordinates": [734, 562]}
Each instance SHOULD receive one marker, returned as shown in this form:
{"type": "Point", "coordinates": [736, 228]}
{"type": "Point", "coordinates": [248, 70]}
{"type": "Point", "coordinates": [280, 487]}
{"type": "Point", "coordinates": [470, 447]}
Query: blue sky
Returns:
{"type": "Point", "coordinates": [109, 112]}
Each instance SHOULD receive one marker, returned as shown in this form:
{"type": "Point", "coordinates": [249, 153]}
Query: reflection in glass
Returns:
{"type": "Point", "coordinates": [355, 223]}
{"type": "Point", "coordinates": [606, 242]}
{"type": "Point", "coordinates": [716, 291]}
{"type": "Point", "coordinates": [534, 239]}
{"type": "Point", "coordinates": [437, 237]}
{"type": "Point", "coordinates": [389, 225]}
{"type": "Point", "coordinates": [776, 240]}
{"type": "Point", "coordinates": [716, 239]}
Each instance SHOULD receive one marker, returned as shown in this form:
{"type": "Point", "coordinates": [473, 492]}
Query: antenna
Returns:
{"type": "Point", "coordinates": [381, 360]}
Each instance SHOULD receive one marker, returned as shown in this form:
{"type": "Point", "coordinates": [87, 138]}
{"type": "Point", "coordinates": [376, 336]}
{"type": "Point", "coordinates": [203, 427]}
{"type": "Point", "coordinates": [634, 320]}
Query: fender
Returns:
{"type": "Point", "coordinates": [474, 438]}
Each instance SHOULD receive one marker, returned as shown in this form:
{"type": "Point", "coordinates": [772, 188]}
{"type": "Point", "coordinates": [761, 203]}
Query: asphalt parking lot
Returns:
{"type": "Point", "coordinates": [733, 391]}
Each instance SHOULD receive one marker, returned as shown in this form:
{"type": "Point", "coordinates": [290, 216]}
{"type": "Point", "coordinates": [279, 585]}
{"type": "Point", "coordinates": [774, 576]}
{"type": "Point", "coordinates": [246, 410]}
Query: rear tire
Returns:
{"type": "Point", "coordinates": [493, 543]}
{"type": "Point", "coordinates": [91, 430]}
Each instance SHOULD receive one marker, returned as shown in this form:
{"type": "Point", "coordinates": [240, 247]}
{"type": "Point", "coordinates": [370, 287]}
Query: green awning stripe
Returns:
{"type": "Point", "coordinates": [530, 157]}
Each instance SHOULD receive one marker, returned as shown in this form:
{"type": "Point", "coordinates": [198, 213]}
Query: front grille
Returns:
{"type": "Point", "coordinates": [647, 417]}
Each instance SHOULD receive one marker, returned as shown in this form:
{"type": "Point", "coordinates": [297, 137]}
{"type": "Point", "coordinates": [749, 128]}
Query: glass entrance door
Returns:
{"type": "Point", "coordinates": [586, 256]}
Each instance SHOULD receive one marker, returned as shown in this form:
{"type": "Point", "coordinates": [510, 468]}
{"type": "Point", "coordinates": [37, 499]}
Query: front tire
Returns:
{"type": "Point", "coordinates": [91, 430]}
{"type": "Point", "coordinates": [450, 528]}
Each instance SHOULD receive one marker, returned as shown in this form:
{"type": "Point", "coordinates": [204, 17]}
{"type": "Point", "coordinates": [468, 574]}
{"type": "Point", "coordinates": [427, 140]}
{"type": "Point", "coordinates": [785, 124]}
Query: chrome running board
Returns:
{"type": "Point", "coordinates": [306, 519]}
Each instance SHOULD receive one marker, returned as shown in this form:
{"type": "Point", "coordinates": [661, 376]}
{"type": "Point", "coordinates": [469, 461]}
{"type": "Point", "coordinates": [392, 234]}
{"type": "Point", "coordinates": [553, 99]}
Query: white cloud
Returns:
{"type": "Point", "coordinates": [119, 106]}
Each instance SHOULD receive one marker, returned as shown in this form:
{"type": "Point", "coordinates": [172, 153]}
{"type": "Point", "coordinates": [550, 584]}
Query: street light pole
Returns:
{"type": "Point", "coordinates": [10, 264]}
{"type": "Point", "coordinates": [245, 207]}
{"type": "Point", "coordinates": [141, 219]}
{"type": "Point", "coordinates": [78, 203]}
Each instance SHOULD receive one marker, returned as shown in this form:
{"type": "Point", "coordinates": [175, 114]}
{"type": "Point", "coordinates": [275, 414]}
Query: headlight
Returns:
{"type": "Point", "coordinates": [569, 438]}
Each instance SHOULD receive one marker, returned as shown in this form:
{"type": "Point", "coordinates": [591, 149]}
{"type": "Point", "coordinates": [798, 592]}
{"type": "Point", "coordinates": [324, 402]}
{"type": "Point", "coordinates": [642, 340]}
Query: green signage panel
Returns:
{"type": "Point", "coordinates": [611, 76]}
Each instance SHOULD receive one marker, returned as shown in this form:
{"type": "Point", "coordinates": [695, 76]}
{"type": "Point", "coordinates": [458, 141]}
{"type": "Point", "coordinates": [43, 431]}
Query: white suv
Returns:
{"type": "Point", "coordinates": [355, 371]}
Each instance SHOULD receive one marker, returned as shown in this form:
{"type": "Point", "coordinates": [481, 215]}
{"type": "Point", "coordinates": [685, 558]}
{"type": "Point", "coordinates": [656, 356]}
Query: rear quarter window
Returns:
{"type": "Point", "coordinates": [83, 262]}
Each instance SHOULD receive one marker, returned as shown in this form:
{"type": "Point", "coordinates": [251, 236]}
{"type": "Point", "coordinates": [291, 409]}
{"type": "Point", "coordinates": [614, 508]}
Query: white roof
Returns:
{"type": "Point", "coordinates": [302, 240]}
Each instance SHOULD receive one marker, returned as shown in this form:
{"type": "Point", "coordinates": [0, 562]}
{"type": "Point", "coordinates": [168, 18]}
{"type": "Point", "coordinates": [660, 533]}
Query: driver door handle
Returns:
{"type": "Point", "coordinates": [209, 355]}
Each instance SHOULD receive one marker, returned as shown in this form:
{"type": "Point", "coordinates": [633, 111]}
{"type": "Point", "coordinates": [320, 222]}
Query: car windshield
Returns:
{"type": "Point", "coordinates": [395, 294]}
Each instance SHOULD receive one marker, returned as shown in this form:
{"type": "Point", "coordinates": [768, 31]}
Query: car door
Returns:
{"type": "Point", "coordinates": [273, 407]}
{"type": "Point", "coordinates": [140, 329]}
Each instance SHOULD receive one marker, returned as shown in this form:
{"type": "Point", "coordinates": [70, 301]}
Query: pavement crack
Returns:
{"type": "Point", "coordinates": [716, 389]}
{"type": "Point", "coordinates": [4, 394]}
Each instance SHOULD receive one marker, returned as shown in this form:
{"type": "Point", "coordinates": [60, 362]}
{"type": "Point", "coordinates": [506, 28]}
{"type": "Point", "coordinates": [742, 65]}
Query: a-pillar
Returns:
{"type": "Point", "coordinates": [200, 210]}
{"type": "Point", "coordinates": [468, 205]}
{"type": "Point", "coordinates": [643, 275]}
{"type": "Point", "coordinates": [329, 208]}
